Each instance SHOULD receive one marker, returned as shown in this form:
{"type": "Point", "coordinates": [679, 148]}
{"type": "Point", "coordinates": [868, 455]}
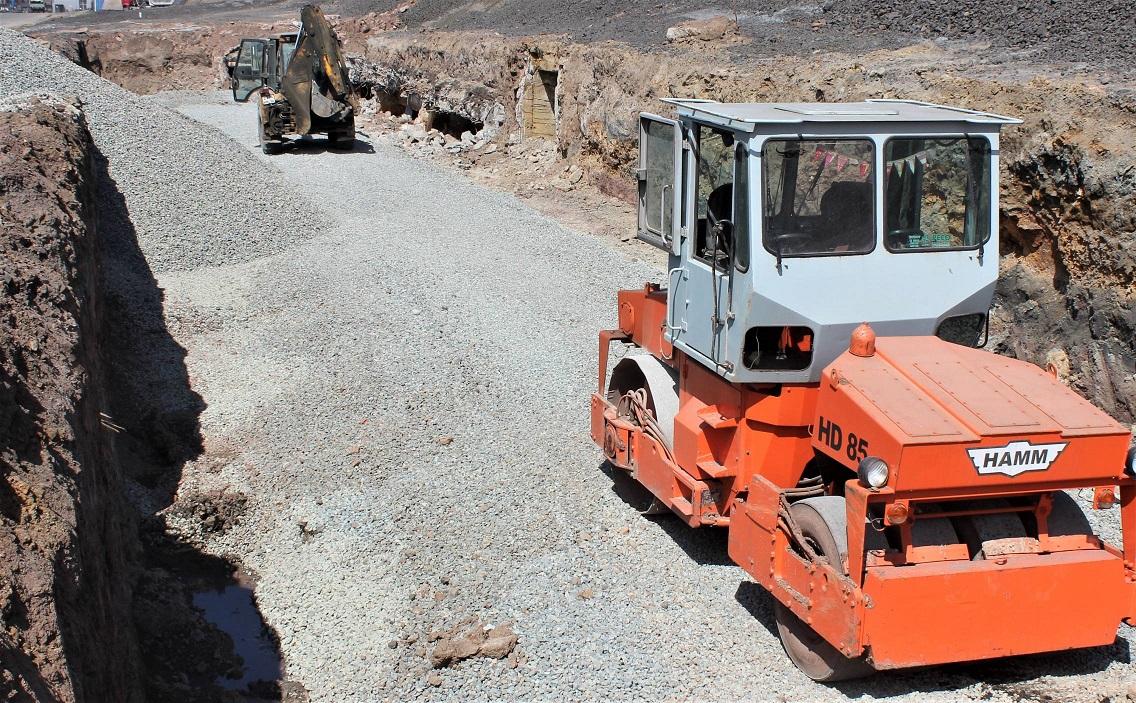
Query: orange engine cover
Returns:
{"type": "Point", "coordinates": [946, 417]}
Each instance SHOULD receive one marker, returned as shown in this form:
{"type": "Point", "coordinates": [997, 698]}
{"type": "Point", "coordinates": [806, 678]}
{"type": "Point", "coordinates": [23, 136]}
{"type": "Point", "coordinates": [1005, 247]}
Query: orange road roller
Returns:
{"type": "Point", "coordinates": [811, 378]}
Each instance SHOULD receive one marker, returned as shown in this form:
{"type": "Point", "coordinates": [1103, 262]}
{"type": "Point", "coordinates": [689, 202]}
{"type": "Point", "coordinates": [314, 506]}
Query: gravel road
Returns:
{"type": "Point", "coordinates": [337, 372]}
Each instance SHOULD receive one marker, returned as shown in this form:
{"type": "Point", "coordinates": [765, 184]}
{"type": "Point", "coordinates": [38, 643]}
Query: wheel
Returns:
{"type": "Point", "coordinates": [343, 135]}
{"type": "Point", "coordinates": [341, 140]}
{"type": "Point", "coordinates": [823, 523]}
{"type": "Point", "coordinates": [268, 146]}
{"type": "Point", "coordinates": [1066, 517]}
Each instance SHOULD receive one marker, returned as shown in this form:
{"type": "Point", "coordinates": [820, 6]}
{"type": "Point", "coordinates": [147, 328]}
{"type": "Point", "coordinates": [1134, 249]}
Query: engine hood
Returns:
{"type": "Point", "coordinates": [942, 415]}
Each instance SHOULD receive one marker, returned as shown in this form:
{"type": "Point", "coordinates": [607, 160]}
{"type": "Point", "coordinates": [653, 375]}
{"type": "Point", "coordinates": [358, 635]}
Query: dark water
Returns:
{"type": "Point", "coordinates": [232, 609]}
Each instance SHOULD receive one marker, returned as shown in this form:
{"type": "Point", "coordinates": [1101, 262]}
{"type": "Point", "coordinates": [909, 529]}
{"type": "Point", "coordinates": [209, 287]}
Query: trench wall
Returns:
{"type": "Point", "coordinates": [67, 542]}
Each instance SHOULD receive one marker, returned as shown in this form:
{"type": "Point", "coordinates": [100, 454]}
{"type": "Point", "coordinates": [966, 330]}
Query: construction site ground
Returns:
{"type": "Point", "coordinates": [390, 351]}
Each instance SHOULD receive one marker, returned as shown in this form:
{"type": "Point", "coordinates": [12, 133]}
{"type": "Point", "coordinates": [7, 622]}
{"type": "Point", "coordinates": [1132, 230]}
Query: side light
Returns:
{"type": "Point", "coordinates": [873, 472]}
{"type": "Point", "coordinates": [1104, 497]}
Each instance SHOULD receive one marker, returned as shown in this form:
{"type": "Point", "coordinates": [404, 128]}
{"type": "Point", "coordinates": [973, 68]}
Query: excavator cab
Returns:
{"type": "Point", "coordinates": [260, 63]}
{"type": "Point", "coordinates": [811, 379]}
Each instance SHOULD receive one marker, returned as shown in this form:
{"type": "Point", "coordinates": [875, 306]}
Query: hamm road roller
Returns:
{"type": "Point", "coordinates": [811, 378]}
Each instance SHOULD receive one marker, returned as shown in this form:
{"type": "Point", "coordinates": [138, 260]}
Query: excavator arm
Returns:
{"type": "Point", "coordinates": [316, 82]}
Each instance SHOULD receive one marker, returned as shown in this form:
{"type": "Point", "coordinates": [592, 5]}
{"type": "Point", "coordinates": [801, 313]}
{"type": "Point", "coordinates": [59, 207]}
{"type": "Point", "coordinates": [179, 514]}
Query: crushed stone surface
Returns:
{"type": "Point", "coordinates": [408, 393]}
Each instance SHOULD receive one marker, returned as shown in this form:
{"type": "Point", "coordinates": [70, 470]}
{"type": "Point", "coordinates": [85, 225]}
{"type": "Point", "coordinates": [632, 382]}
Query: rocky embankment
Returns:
{"type": "Point", "coordinates": [67, 542]}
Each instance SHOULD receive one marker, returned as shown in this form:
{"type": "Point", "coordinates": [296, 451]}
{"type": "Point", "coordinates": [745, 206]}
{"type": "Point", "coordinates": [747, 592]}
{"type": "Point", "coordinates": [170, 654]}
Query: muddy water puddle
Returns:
{"type": "Point", "coordinates": [230, 606]}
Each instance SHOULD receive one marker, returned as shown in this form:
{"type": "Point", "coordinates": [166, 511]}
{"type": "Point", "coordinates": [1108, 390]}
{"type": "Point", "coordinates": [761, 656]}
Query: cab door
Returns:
{"type": "Point", "coordinates": [660, 153]}
{"type": "Point", "coordinates": [716, 251]}
{"type": "Point", "coordinates": [251, 71]}
{"type": "Point", "coordinates": [662, 204]}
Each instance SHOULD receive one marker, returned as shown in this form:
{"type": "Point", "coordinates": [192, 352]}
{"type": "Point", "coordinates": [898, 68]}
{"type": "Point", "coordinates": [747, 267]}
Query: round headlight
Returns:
{"type": "Point", "coordinates": [1130, 463]}
{"type": "Point", "coordinates": [873, 472]}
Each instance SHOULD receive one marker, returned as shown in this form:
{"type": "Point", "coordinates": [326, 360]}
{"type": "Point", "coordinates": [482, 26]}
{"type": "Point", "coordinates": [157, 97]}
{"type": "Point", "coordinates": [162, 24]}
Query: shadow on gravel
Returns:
{"type": "Point", "coordinates": [705, 546]}
{"type": "Point", "coordinates": [319, 145]}
{"type": "Point", "coordinates": [188, 656]}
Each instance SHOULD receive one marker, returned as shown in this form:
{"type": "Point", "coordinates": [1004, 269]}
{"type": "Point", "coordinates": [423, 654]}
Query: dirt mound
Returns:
{"type": "Point", "coordinates": [66, 541]}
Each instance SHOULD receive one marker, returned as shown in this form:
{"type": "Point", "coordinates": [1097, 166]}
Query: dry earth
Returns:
{"type": "Point", "coordinates": [67, 538]}
{"type": "Point", "coordinates": [389, 412]}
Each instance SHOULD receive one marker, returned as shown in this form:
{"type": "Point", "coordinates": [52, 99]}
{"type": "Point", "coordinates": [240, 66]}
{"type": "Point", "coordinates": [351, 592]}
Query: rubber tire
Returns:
{"type": "Point", "coordinates": [823, 521]}
{"type": "Point", "coordinates": [268, 146]}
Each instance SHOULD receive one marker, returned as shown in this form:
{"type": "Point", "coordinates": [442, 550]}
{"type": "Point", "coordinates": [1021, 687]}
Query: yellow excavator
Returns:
{"type": "Point", "coordinates": [301, 82]}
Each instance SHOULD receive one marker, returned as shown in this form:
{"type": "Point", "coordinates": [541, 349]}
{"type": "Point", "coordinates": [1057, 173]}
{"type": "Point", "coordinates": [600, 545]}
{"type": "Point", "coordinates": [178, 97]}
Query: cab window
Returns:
{"type": "Point", "coordinates": [818, 197]}
{"type": "Point", "coordinates": [937, 193]}
{"type": "Point", "coordinates": [715, 193]}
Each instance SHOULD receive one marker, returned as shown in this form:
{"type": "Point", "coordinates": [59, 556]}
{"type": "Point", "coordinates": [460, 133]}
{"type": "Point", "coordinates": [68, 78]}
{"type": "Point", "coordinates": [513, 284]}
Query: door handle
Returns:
{"type": "Point", "coordinates": [673, 301]}
{"type": "Point", "coordinates": [667, 235]}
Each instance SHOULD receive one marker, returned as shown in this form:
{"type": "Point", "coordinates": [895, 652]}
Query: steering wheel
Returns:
{"type": "Point", "coordinates": [788, 238]}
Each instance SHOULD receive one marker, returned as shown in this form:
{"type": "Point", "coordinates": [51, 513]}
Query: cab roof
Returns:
{"type": "Point", "coordinates": [878, 110]}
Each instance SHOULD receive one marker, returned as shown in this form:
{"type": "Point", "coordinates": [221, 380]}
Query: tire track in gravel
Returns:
{"type": "Point", "coordinates": [433, 308]}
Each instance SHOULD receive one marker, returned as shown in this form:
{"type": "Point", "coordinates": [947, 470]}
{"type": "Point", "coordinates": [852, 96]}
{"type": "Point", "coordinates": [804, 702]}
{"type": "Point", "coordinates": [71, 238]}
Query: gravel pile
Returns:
{"type": "Point", "coordinates": [1072, 31]}
{"type": "Point", "coordinates": [193, 199]}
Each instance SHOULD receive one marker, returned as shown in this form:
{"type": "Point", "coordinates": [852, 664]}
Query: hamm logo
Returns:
{"type": "Point", "coordinates": [1015, 458]}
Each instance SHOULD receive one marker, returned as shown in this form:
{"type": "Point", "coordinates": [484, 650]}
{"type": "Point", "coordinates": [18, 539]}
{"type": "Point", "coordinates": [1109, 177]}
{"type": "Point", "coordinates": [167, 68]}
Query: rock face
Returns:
{"type": "Point", "coordinates": [67, 545]}
{"type": "Point", "coordinates": [1067, 295]}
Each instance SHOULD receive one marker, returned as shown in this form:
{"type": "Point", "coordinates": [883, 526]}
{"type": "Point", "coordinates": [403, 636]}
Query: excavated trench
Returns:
{"type": "Point", "coordinates": [101, 600]}
{"type": "Point", "coordinates": [1065, 299]}
{"type": "Point", "coordinates": [412, 106]}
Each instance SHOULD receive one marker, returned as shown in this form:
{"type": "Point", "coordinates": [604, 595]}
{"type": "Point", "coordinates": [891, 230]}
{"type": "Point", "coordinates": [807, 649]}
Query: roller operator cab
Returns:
{"type": "Point", "coordinates": [301, 82]}
{"type": "Point", "coordinates": [811, 378]}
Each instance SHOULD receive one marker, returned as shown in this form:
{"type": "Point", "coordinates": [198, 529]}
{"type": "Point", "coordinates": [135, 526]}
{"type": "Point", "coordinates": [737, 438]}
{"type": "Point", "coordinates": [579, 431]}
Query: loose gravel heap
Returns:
{"type": "Point", "coordinates": [193, 199]}
{"type": "Point", "coordinates": [1092, 31]}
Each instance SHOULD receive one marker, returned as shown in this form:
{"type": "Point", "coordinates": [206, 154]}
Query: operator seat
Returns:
{"type": "Point", "coordinates": [846, 216]}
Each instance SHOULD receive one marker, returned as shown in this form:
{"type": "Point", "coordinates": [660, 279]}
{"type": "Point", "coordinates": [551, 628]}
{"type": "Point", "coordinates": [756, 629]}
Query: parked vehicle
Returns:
{"type": "Point", "coordinates": [810, 379]}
